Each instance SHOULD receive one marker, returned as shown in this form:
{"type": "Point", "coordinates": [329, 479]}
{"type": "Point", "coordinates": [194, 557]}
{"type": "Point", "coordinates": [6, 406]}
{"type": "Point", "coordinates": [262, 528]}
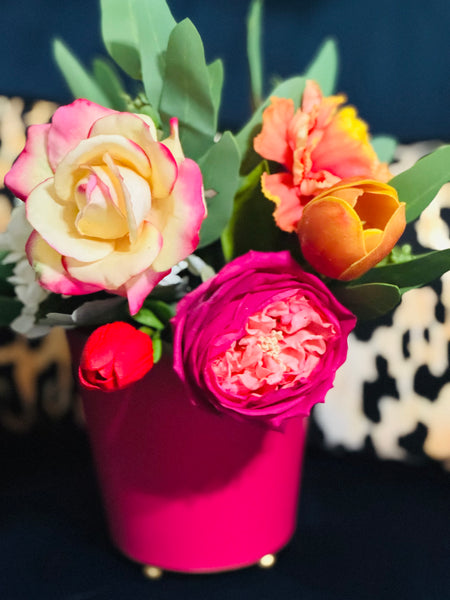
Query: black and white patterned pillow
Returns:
{"type": "Point", "coordinates": [392, 396]}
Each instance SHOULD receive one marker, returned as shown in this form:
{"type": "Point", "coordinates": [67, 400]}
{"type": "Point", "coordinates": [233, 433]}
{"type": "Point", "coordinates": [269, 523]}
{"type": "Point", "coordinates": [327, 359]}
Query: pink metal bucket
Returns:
{"type": "Point", "coordinates": [188, 489]}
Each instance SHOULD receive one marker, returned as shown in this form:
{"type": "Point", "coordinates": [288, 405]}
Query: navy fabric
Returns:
{"type": "Point", "coordinates": [395, 55]}
{"type": "Point", "coordinates": [366, 530]}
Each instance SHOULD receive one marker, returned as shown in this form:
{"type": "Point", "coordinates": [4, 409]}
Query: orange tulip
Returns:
{"type": "Point", "coordinates": [349, 228]}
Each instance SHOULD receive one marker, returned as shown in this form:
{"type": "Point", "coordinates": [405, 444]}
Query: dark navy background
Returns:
{"type": "Point", "coordinates": [368, 529]}
{"type": "Point", "coordinates": [395, 54]}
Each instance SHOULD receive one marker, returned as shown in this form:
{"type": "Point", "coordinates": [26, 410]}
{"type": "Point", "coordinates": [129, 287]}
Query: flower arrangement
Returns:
{"type": "Point", "coordinates": [250, 255]}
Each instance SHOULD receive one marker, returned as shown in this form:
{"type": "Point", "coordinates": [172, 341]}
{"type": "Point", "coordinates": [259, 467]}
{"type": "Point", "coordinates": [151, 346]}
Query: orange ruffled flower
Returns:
{"type": "Point", "coordinates": [348, 229]}
{"type": "Point", "coordinates": [318, 144]}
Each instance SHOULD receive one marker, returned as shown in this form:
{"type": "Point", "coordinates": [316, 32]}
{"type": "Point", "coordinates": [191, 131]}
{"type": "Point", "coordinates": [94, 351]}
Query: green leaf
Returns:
{"type": "Point", "coordinates": [186, 91]}
{"type": "Point", "coordinates": [108, 80]}
{"type": "Point", "coordinates": [215, 71]}
{"type": "Point", "coordinates": [148, 318]}
{"type": "Point", "coordinates": [161, 309]}
{"type": "Point", "coordinates": [120, 34]}
{"type": "Point", "coordinates": [10, 308]}
{"type": "Point", "coordinates": [80, 81]}
{"type": "Point", "coordinates": [220, 169]}
{"type": "Point", "coordinates": [291, 88]}
{"type": "Point", "coordinates": [413, 273]}
{"type": "Point", "coordinates": [252, 226]}
{"type": "Point", "coordinates": [154, 24]}
{"type": "Point", "coordinates": [368, 301]}
{"type": "Point", "coordinates": [6, 270]}
{"type": "Point", "coordinates": [157, 348]}
{"type": "Point", "coordinates": [384, 146]}
{"type": "Point", "coordinates": [254, 53]}
{"type": "Point", "coordinates": [324, 67]}
{"type": "Point", "coordinates": [419, 185]}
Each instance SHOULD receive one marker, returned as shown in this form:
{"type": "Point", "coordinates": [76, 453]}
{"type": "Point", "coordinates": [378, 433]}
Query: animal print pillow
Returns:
{"type": "Point", "coordinates": [392, 396]}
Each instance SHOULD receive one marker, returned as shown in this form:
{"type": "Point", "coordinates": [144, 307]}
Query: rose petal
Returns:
{"type": "Point", "coordinates": [137, 288]}
{"type": "Point", "coordinates": [70, 125]}
{"type": "Point", "coordinates": [187, 209]}
{"type": "Point", "coordinates": [92, 151]}
{"type": "Point", "coordinates": [130, 126]}
{"type": "Point", "coordinates": [100, 217]}
{"type": "Point", "coordinates": [32, 166]}
{"type": "Point", "coordinates": [127, 260]}
{"type": "Point", "coordinates": [49, 269]}
{"type": "Point", "coordinates": [133, 127]}
{"type": "Point", "coordinates": [55, 221]}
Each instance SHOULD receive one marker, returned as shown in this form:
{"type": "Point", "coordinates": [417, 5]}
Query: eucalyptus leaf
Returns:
{"type": "Point", "coordinates": [254, 53]}
{"type": "Point", "coordinates": [419, 185]}
{"type": "Point", "coordinates": [80, 82]}
{"type": "Point", "coordinates": [413, 273]}
{"type": "Point", "coordinates": [220, 169]}
{"type": "Point", "coordinates": [216, 74]}
{"type": "Point", "coordinates": [108, 80]}
{"type": "Point", "coordinates": [120, 34]}
{"type": "Point", "coordinates": [154, 24]}
{"type": "Point", "coordinates": [384, 146]}
{"type": "Point", "coordinates": [186, 91]}
{"type": "Point", "coordinates": [324, 67]}
{"type": "Point", "coordinates": [291, 88]}
{"type": "Point", "coordinates": [370, 300]}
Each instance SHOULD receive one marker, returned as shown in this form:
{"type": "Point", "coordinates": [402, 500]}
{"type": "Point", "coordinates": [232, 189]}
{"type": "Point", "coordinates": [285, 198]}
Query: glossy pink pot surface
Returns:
{"type": "Point", "coordinates": [186, 488]}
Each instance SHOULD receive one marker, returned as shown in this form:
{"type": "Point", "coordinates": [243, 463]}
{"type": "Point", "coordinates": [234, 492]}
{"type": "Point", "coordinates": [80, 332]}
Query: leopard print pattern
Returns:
{"type": "Point", "coordinates": [36, 380]}
{"type": "Point", "coordinates": [392, 395]}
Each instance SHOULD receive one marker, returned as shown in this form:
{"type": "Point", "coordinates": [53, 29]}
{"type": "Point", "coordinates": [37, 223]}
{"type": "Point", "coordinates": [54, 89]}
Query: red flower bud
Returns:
{"type": "Point", "coordinates": [115, 356]}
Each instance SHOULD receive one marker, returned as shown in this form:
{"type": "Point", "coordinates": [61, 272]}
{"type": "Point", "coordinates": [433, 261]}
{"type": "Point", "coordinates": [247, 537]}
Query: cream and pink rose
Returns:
{"type": "Point", "coordinates": [111, 208]}
{"type": "Point", "coordinates": [262, 339]}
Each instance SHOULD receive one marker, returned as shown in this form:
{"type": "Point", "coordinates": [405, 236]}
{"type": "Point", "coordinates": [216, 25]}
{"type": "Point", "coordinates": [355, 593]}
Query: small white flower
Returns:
{"type": "Point", "coordinates": [198, 267]}
{"type": "Point", "coordinates": [26, 287]}
{"type": "Point", "coordinates": [173, 278]}
{"type": "Point", "coordinates": [15, 237]}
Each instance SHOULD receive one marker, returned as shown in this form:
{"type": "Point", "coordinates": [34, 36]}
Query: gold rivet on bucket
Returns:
{"type": "Point", "coordinates": [267, 561]}
{"type": "Point", "coordinates": [152, 572]}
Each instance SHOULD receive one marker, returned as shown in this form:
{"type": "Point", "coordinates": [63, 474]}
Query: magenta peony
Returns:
{"type": "Point", "coordinates": [261, 339]}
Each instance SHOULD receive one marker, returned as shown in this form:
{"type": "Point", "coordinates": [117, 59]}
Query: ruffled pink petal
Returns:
{"type": "Point", "coordinates": [186, 209]}
{"type": "Point", "coordinates": [70, 125]}
{"type": "Point", "coordinates": [321, 110]}
{"type": "Point", "coordinates": [32, 166]}
{"type": "Point", "coordinates": [273, 141]}
{"type": "Point", "coordinates": [343, 155]}
{"type": "Point", "coordinates": [280, 188]}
